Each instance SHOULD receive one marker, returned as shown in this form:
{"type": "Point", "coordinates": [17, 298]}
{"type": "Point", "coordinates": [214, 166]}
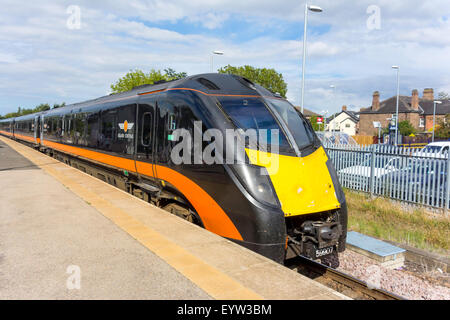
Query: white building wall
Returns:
{"type": "Point", "coordinates": [340, 124]}
{"type": "Point", "coordinates": [349, 127]}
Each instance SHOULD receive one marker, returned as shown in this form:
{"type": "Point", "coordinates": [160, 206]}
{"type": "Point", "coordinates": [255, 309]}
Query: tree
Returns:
{"type": "Point", "coordinates": [443, 96]}
{"type": "Point", "coordinates": [137, 77]}
{"type": "Point", "coordinates": [314, 123]}
{"type": "Point", "coordinates": [268, 78]}
{"type": "Point", "coordinates": [24, 111]}
{"type": "Point", "coordinates": [173, 75]}
{"type": "Point", "coordinates": [56, 105]}
{"type": "Point", "coordinates": [443, 131]}
{"type": "Point", "coordinates": [406, 128]}
{"type": "Point", "coordinates": [41, 107]}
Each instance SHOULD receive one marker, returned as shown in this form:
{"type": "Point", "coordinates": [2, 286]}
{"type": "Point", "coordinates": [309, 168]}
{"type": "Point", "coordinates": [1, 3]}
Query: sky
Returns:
{"type": "Point", "coordinates": [71, 51]}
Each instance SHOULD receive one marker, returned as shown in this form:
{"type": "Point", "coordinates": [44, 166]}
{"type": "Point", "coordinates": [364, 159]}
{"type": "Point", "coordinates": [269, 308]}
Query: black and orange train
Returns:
{"type": "Point", "coordinates": [126, 139]}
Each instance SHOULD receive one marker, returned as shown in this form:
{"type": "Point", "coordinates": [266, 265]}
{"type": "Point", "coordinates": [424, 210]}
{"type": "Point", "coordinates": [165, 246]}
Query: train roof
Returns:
{"type": "Point", "coordinates": [27, 116]}
{"type": "Point", "coordinates": [209, 84]}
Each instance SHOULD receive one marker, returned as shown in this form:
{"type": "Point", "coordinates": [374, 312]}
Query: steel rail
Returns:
{"type": "Point", "coordinates": [348, 281]}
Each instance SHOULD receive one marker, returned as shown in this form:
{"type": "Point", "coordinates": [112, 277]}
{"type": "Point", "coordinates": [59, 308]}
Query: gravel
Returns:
{"type": "Point", "coordinates": [402, 282]}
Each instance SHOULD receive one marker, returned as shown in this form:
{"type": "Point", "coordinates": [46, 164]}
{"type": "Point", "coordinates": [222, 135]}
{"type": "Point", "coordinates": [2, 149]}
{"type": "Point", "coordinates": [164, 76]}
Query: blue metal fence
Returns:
{"type": "Point", "coordinates": [405, 174]}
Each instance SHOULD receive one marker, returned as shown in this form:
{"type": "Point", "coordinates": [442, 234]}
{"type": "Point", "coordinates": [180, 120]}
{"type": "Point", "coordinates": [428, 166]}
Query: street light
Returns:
{"type": "Point", "coordinates": [334, 97]}
{"type": "Point", "coordinates": [325, 112]}
{"type": "Point", "coordinates": [398, 98]}
{"type": "Point", "coordinates": [313, 9]}
{"type": "Point", "coordinates": [219, 53]}
{"type": "Point", "coordinates": [434, 116]}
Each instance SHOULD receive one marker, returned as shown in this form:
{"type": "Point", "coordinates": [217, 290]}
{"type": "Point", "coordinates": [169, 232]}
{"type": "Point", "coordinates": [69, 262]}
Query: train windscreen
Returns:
{"type": "Point", "coordinates": [297, 125]}
{"type": "Point", "coordinates": [252, 113]}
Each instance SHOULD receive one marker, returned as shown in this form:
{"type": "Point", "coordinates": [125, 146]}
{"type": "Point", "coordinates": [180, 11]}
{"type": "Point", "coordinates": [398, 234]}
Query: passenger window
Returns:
{"type": "Point", "coordinates": [108, 125]}
{"type": "Point", "coordinates": [49, 126]}
{"type": "Point", "coordinates": [92, 130]}
{"type": "Point", "coordinates": [146, 129]}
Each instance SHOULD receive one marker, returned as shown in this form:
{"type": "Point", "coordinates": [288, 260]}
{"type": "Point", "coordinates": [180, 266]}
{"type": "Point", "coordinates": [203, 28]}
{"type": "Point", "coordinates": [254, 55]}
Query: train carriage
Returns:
{"type": "Point", "coordinates": [128, 139]}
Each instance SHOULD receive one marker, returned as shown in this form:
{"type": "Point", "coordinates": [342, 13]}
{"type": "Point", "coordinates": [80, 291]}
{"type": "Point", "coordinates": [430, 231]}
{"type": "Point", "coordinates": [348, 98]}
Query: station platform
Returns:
{"type": "Point", "coordinates": [67, 235]}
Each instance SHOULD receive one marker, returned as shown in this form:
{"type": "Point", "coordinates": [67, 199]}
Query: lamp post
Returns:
{"type": "Point", "coordinates": [434, 117]}
{"type": "Point", "coordinates": [398, 98]}
{"type": "Point", "coordinates": [219, 53]}
{"type": "Point", "coordinates": [313, 9]}
{"type": "Point", "coordinates": [325, 112]}
{"type": "Point", "coordinates": [334, 97]}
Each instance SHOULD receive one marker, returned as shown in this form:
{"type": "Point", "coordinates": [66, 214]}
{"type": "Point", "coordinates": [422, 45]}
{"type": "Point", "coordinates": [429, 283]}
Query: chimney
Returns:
{"type": "Point", "coordinates": [428, 94]}
{"type": "Point", "coordinates": [344, 108]}
{"type": "Point", "coordinates": [415, 100]}
{"type": "Point", "coordinates": [376, 101]}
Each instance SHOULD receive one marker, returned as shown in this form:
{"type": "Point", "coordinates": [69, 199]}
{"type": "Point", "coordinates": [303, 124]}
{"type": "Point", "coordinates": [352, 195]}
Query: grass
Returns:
{"type": "Point", "coordinates": [382, 219]}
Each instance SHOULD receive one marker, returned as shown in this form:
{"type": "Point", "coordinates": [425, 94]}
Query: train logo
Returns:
{"type": "Point", "coordinates": [125, 126]}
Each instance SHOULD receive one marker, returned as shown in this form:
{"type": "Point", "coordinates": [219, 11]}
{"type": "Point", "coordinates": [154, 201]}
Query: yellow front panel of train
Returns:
{"type": "Point", "coordinates": [303, 185]}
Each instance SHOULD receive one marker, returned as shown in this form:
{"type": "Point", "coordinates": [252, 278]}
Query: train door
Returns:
{"type": "Point", "coordinates": [41, 129]}
{"type": "Point", "coordinates": [166, 124]}
{"type": "Point", "coordinates": [145, 139]}
{"type": "Point", "coordinates": [37, 130]}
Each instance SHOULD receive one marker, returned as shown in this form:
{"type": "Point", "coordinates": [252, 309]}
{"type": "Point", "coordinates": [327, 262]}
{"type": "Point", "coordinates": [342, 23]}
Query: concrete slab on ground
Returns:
{"type": "Point", "coordinates": [12, 160]}
{"type": "Point", "coordinates": [384, 253]}
{"type": "Point", "coordinates": [45, 229]}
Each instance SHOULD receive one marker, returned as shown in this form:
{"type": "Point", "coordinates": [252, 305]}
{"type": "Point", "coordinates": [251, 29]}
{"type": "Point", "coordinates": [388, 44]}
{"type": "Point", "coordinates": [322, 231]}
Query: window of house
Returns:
{"type": "Point", "coordinates": [347, 125]}
{"type": "Point", "coordinates": [421, 122]}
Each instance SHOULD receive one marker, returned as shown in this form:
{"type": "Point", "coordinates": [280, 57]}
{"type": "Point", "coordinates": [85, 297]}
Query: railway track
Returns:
{"type": "Point", "coordinates": [339, 281]}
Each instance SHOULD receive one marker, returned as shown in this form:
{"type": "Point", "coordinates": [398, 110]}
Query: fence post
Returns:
{"type": "Point", "coordinates": [372, 171]}
{"type": "Point", "coordinates": [447, 197]}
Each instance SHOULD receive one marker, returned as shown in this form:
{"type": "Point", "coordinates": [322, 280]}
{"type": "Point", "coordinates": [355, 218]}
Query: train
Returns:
{"type": "Point", "coordinates": [128, 140]}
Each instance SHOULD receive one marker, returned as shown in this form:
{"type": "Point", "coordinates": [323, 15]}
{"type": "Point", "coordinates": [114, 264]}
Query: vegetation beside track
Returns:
{"type": "Point", "coordinates": [385, 220]}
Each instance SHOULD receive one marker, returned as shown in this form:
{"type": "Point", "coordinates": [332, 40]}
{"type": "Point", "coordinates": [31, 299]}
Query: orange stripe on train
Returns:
{"type": "Point", "coordinates": [212, 215]}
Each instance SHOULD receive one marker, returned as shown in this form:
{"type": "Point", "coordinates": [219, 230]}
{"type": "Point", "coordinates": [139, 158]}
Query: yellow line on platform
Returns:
{"type": "Point", "coordinates": [211, 280]}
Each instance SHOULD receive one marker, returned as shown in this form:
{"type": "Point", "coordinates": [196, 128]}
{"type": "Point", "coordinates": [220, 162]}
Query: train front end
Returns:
{"type": "Point", "coordinates": [300, 207]}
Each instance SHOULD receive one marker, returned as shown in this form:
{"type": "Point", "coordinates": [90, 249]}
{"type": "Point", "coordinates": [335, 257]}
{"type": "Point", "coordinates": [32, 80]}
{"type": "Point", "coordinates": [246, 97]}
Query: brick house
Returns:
{"type": "Point", "coordinates": [418, 111]}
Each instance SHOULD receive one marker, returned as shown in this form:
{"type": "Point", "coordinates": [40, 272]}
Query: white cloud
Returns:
{"type": "Point", "coordinates": [8, 58]}
{"type": "Point", "coordinates": [43, 60]}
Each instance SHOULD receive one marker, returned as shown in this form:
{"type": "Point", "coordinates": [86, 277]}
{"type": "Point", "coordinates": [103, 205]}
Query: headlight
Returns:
{"type": "Point", "coordinates": [257, 182]}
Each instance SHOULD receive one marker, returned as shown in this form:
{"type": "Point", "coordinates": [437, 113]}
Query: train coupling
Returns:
{"type": "Point", "coordinates": [316, 239]}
